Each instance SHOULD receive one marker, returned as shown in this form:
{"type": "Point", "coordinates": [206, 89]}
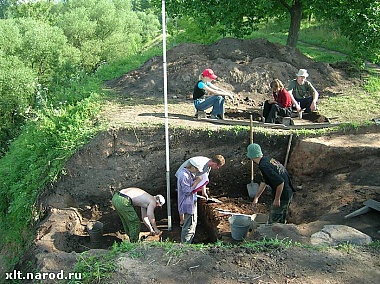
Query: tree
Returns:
{"type": "Point", "coordinates": [36, 9]}
{"type": "Point", "coordinates": [4, 5]}
{"type": "Point", "coordinates": [295, 11]}
{"type": "Point", "coordinates": [104, 30]}
{"type": "Point", "coordinates": [358, 20]}
{"type": "Point", "coordinates": [241, 17]}
{"type": "Point", "coordinates": [44, 48]}
{"type": "Point", "coordinates": [17, 89]}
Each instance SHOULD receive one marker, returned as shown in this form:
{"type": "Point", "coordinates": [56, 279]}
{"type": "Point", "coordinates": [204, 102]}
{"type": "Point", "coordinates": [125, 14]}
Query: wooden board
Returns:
{"type": "Point", "coordinates": [210, 200]}
{"type": "Point", "coordinates": [298, 124]}
{"type": "Point", "coordinates": [369, 204]}
{"type": "Point", "coordinates": [373, 204]}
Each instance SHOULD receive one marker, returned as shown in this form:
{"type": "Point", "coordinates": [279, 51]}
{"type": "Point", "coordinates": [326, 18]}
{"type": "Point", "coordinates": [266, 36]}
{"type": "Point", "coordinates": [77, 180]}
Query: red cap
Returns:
{"type": "Point", "coordinates": [209, 73]}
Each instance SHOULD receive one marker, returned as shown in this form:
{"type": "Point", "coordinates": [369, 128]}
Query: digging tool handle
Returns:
{"type": "Point", "coordinates": [251, 141]}
{"type": "Point", "coordinates": [288, 149]}
{"type": "Point", "coordinates": [236, 214]}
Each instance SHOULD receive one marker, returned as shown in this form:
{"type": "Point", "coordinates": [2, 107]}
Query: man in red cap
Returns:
{"type": "Point", "coordinates": [206, 95]}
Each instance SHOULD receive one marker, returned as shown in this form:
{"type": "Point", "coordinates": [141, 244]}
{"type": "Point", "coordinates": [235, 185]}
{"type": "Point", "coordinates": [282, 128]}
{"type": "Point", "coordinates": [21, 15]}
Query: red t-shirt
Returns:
{"type": "Point", "coordinates": [283, 98]}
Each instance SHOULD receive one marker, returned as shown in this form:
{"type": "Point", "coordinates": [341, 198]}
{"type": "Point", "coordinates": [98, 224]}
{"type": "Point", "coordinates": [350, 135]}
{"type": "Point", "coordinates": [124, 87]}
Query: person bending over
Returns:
{"type": "Point", "coordinates": [124, 202]}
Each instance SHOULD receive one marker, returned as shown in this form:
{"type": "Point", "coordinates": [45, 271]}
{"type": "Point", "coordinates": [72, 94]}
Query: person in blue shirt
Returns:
{"type": "Point", "coordinates": [206, 95]}
{"type": "Point", "coordinates": [206, 164]}
{"type": "Point", "coordinates": [187, 199]}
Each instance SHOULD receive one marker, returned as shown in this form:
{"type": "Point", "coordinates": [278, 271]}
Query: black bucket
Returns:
{"type": "Point", "coordinates": [95, 230]}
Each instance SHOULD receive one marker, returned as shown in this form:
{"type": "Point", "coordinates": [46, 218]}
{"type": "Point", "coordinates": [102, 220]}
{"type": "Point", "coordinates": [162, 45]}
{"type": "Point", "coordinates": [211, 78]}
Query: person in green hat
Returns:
{"type": "Point", "coordinates": [276, 176]}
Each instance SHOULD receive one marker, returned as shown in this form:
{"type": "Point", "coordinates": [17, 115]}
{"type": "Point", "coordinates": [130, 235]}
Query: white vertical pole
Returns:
{"type": "Point", "coordinates": [166, 116]}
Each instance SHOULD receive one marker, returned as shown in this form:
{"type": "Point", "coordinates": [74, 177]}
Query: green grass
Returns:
{"type": "Point", "coordinates": [321, 42]}
{"type": "Point", "coordinates": [357, 109]}
{"type": "Point", "coordinates": [372, 84]}
{"type": "Point", "coordinates": [99, 267]}
{"type": "Point", "coordinates": [94, 268]}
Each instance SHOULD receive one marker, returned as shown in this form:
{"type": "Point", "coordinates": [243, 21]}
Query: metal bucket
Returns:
{"type": "Point", "coordinates": [95, 230]}
{"type": "Point", "coordinates": [239, 226]}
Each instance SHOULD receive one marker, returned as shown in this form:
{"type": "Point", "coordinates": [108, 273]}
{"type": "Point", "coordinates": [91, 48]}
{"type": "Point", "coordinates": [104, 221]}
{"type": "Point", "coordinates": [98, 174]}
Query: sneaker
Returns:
{"type": "Point", "coordinates": [200, 114]}
{"type": "Point", "coordinates": [213, 116]}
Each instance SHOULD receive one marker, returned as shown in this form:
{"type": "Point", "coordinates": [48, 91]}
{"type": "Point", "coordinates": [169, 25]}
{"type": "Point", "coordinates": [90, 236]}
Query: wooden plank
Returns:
{"type": "Point", "coordinates": [227, 212]}
{"type": "Point", "coordinates": [269, 125]}
{"type": "Point", "coordinates": [210, 200]}
{"type": "Point", "coordinates": [358, 212]}
{"type": "Point", "coordinates": [372, 204]}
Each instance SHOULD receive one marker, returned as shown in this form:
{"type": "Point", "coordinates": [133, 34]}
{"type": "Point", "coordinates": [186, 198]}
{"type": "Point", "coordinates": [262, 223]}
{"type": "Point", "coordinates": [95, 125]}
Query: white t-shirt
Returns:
{"type": "Point", "coordinates": [201, 160]}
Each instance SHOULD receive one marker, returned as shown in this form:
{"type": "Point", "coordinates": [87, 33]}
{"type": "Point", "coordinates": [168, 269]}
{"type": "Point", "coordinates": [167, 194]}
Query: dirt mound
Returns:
{"type": "Point", "coordinates": [245, 67]}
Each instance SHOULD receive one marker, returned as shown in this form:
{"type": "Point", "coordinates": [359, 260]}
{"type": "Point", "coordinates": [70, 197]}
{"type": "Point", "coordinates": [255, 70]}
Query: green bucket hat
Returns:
{"type": "Point", "coordinates": [254, 151]}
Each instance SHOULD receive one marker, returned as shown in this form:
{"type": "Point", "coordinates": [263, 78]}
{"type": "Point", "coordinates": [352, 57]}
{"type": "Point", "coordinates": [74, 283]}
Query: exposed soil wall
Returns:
{"type": "Point", "coordinates": [327, 178]}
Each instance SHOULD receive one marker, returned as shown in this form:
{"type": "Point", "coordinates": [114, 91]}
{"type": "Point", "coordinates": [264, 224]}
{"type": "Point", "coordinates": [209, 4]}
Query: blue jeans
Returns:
{"type": "Point", "coordinates": [216, 102]}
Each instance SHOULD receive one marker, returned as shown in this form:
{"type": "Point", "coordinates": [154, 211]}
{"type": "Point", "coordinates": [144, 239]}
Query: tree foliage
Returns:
{"type": "Point", "coordinates": [358, 20]}
{"type": "Point", "coordinates": [35, 9]}
{"type": "Point", "coordinates": [239, 17]}
{"type": "Point", "coordinates": [104, 30]}
{"type": "Point", "coordinates": [43, 48]}
{"type": "Point", "coordinates": [17, 83]}
{"type": "Point", "coordinates": [59, 42]}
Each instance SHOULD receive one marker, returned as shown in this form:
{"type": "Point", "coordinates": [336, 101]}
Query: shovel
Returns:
{"type": "Point", "coordinates": [252, 187]}
{"type": "Point", "coordinates": [210, 200]}
{"type": "Point", "coordinates": [288, 150]}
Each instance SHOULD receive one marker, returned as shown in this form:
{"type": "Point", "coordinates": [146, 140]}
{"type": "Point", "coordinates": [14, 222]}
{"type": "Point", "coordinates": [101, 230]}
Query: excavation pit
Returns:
{"type": "Point", "coordinates": [333, 174]}
{"type": "Point", "coordinates": [334, 185]}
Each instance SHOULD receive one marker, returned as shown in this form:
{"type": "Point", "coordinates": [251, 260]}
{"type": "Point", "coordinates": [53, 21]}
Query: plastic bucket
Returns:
{"type": "Point", "coordinates": [259, 219]}
{"type": "Point", "coordinates": [239, 226]}
{"type": "Point", "coordinates": [95, 230]}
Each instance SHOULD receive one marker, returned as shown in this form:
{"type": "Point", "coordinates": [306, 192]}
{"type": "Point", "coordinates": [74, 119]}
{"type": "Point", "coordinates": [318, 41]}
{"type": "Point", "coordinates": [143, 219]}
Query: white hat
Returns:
{"type": "Point", "coordinates": [160, 199]}
{"type": "Point", "coordinates": [302, 73]}
{"type": "Point", "coordinates": [196, 163]}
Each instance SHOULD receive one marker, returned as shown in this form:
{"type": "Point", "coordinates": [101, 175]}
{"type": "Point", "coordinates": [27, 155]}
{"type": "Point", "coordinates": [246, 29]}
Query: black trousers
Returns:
{"type": "Point", "coordinates": [272, 111]}
{"type": "Point", "coordinates": [305, 103]}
